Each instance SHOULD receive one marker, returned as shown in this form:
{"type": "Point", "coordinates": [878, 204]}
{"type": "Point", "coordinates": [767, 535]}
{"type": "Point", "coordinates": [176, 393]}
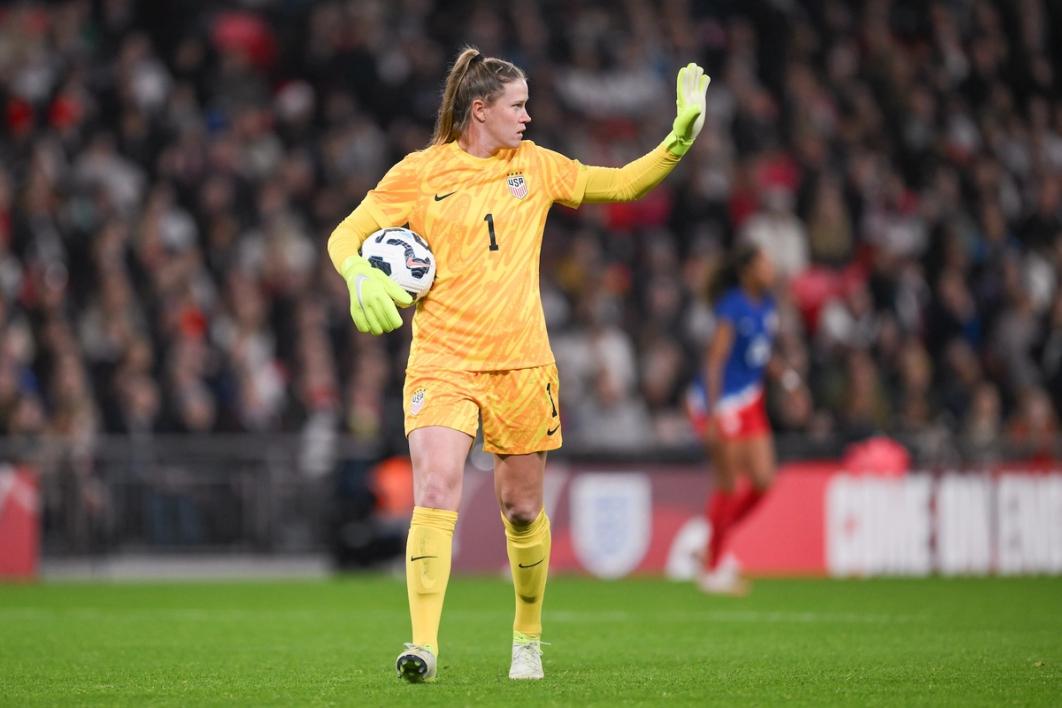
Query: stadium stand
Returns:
{"type": "Point", "coordinates": [171, 171]}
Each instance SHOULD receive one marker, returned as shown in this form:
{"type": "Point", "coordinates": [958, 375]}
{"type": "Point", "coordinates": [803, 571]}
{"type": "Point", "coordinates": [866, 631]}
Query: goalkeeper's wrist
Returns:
{"type": "Point", "coordinates": [351, 265]}
{"type": "Point", "coordinates": [676, 145]}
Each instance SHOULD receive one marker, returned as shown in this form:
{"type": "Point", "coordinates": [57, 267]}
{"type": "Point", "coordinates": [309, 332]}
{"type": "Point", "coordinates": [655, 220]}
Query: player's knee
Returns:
{"type": "Point", "coordinates": [521, 513]}
{"type": "Point", "coordinates": [723, 483]}
{"type": "Point", "coordinates": [723, 477]}
{"type": "Point", "coordinates": [439, 490]}
{"type": "Point", "coordinates": [761, 470]}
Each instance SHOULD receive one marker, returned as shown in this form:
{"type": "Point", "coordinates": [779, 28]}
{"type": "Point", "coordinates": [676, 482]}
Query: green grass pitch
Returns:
{"type": "Point", "coordinates": [635, 642]}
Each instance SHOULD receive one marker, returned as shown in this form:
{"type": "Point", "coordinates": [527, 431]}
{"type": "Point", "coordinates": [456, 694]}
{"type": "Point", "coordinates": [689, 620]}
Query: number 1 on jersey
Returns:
{"type": "Point", "coordinates": [489, 218]}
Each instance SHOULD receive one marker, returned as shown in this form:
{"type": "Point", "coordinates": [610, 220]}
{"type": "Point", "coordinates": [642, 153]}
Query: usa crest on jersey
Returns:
{"type": "Point", "coordinates": [517, 185]}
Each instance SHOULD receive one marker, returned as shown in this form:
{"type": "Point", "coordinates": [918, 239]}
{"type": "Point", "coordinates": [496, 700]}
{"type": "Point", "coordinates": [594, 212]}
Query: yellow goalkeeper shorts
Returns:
{"type": "Point", "coordinates": [519, 407]}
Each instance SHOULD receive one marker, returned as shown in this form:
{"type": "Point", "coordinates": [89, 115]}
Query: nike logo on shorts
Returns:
{"type": "Point", "coordinates": [440, 197]}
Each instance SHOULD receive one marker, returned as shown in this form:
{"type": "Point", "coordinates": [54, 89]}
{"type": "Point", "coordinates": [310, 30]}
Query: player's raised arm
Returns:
{"type": "Point", "coordinates": [635, 179]}
{"type": "Point", "coordinates": [372, 294]}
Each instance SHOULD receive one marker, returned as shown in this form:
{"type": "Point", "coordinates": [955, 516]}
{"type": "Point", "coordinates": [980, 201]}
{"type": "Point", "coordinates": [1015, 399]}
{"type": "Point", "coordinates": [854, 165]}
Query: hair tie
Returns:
{"type": "Point", "coordinates": [478, 57]}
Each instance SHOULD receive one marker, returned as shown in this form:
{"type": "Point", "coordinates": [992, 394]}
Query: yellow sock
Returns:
{"type": "Point", "coordinates": [528, 548]}
{"type": "Point", "coordinates": [428, 547]}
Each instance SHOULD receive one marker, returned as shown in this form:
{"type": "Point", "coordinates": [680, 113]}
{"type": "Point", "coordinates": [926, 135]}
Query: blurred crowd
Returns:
{"type": "Point", "coordinates": [171, 171]}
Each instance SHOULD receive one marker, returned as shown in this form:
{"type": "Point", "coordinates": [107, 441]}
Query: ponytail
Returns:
{"type": "Point", "coordinates": [472, 76]}
{"type": "Point", "coordinates": [729, 276]}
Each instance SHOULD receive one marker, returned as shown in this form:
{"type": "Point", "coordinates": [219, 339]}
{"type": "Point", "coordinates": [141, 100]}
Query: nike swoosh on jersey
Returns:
{"type": "Point", "coordinates": [440, 197]}
{"type": "Point", "coordinates": [417, 558]}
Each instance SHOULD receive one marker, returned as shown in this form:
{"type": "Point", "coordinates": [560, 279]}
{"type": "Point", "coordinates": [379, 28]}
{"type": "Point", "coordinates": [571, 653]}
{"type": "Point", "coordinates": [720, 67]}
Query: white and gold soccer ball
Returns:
{"type": "Point", "coordinates": [404, 256]}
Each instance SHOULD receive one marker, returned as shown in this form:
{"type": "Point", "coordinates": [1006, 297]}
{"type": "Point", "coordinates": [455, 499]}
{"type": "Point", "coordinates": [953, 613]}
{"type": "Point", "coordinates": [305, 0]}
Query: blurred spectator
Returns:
{"type": "Point", "coordinates": [981, 429]}
{"type": "Point", "coordinates": [599, 382]}
{"type": "Point", "coordinates": [779, 232]}
{"type": "Point", "coordinates": [1034, 425]}
{"type": "Point", "coordinates": [863, 408]}
{"type": "Point", "coordinates": [914, 404]}
{"type": "Point", "coordinates": [1050, 347]}
{"type": "Point", "coordinates": [829, 228]}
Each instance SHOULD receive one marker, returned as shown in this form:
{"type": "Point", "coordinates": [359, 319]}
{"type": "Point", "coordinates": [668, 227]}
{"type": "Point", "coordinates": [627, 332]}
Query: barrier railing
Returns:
{"type": "Point", "coordinates": [289, 493]}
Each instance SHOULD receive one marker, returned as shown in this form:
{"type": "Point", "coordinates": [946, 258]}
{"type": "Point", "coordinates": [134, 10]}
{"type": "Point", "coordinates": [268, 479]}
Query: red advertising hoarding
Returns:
{"type": "Point", "coordinates": [819, 519]}
{"type": "Point", "coordinates": [19, 523]}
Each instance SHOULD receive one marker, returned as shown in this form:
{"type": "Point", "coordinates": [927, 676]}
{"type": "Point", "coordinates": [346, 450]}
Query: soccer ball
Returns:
{"type": "Point", "coordinates": [405, 256]}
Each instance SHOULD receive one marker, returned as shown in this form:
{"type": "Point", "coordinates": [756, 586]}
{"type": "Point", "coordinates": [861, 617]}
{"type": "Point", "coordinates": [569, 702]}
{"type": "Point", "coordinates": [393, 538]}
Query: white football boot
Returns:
{"type": "Point", "coordinates": [416, 664]}
{"type": "Point", "coordinates": [725, 579]}
{"type": "Point", "coordinates": [527, 658]}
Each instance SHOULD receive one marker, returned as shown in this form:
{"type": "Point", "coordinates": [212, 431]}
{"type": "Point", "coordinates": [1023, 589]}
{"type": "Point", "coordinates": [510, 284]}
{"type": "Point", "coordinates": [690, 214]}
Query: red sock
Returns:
{"type": "Point", "coordinates": [718, 511]}
{"type": "Point", "coordinates": [744, 502]}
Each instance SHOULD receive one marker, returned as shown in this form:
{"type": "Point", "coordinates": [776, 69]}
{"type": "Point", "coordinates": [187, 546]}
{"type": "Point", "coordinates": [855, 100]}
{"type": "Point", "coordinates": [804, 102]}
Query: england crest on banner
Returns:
{"type": "Point", "coordinates": [611, 522]}
{"type": "Point", "coordinates": [517, 185]}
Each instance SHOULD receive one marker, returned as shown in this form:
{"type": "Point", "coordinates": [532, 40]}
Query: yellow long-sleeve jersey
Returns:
{"type": "Point", "coordinates": [484, 219]}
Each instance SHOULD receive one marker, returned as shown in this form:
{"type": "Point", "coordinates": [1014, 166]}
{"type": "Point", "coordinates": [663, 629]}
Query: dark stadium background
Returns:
{"type": "Point", "coordinates": [178, 372]}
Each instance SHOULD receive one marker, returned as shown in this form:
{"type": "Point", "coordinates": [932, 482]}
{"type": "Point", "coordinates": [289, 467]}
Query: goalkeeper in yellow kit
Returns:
{"type": "Point", "coordinates": [480, 194]}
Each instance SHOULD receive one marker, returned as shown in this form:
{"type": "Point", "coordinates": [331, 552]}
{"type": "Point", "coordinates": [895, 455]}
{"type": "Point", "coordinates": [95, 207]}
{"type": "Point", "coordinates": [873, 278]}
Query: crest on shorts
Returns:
{"type": "Point", "coordinates": [416, 401]}
{"type": "Point", "coordinates": [517, 185]}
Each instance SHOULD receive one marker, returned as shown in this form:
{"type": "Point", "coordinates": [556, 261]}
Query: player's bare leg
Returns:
{"type": "Point", "coordinates": [760, 461]}
{"type": "Point", "coordinates": [518, 486]}
{"type": "Point", "coordinates": [438, 456]}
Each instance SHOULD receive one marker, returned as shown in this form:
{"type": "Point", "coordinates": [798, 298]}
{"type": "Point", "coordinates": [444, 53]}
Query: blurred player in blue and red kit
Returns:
{"type": "Point", "coordinates": [726, 404]}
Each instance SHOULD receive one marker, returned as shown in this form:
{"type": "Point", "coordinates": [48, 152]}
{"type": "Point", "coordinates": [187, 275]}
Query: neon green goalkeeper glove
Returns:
{"type": "Point", "coordinates": [373, 296]}
{"type": "Point", "coordinates": [692, 89]}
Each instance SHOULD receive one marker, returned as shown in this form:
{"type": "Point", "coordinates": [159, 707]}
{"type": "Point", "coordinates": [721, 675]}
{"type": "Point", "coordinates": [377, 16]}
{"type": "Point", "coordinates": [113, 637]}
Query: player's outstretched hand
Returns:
{"type": "Point", "coordinates": [690, 100]}
{"type": "Point", "coordinates": [373, 296]}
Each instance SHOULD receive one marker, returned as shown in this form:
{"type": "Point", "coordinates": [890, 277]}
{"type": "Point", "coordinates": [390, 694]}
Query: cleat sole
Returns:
{"type": "Point", "coordinates": [412, 668]}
